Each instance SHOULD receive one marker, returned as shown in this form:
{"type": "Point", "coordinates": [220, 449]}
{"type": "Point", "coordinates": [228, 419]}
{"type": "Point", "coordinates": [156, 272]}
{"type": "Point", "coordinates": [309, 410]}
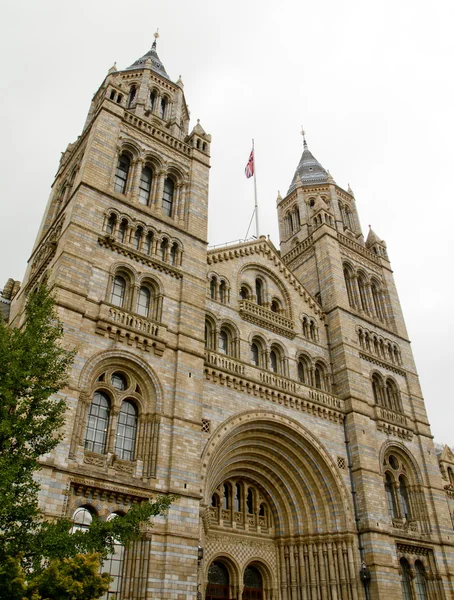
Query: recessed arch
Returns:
{"type": "Point", "coordinates": [281, 456]}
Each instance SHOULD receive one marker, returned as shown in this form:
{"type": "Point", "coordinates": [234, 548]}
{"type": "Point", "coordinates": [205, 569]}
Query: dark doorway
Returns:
{"type": "Point", "coordinates": [218, 587]}
{"type": "Point", "coordinates": [253, 585]}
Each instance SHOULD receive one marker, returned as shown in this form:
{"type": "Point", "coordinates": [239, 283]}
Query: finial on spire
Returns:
{"type": "Point", "coordinates": [303, 133]}
{"type": "Point", "coordinates": [156, 35]}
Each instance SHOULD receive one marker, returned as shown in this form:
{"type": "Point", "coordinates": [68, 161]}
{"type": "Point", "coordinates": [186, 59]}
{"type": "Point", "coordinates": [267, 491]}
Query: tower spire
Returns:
{"type": "Point", "coordinates": [155, 35]}
{"type": "Point", "coordinates": [303, 133]}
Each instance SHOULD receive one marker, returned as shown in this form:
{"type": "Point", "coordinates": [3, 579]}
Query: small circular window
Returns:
{"type": "Point", "coordinates": [394, 462]}
{"type": "Point", "coordinates": [119, 381]}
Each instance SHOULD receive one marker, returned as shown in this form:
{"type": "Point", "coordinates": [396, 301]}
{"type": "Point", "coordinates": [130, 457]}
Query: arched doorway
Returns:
{"type": "Point", "coordinates": [218, 587]}
{"type": "Point", "coordinates": [253, 584]}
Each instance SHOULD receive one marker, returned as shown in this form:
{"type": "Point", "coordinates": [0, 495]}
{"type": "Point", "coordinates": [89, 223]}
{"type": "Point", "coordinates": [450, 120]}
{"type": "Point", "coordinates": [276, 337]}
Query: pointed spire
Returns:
{"type": "Point", "coordinates": [279, 197]}
{"type": "Point", "coordinates": [151, 60]}
{"type": "Point", "coordinates": [372, 238]}
{"type": "Point", "coordinates": [112, 69]}
{"type": "Point", "coordinates": [309, 170]}
{"type": "Point", "coordinates": [350, 191]}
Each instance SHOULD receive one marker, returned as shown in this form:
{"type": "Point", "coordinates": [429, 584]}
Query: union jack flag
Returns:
{"type": "Point", "coordinates": [249, 170]}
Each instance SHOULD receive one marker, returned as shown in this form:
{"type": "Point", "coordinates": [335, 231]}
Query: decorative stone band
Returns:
{"type": "Point", "coordinates": [162, 136]}
{"type": "Point", "coordinates": [131, 329]}
{"type": "Point", "coordinates": [264, 317]}
{"type": "Point", "coordinates": [297, 250]}
{"type": "Point", "coordinates": [393, 423]}
{"type": "Point", "coordinates": [109, 242]}
{"type": "Point", "coordinates": [382, 363]}
{"type": "Point", "coordinates": [346, 241]}
{"type": "Point", "coordinates": [304, 399]}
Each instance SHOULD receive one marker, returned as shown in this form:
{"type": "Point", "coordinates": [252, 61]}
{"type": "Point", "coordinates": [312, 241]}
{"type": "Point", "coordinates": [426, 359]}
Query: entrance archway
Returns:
{"type": "Point", "coordinates": [253, 584]}
{"type": "Point", "coordinates": [218, 587]}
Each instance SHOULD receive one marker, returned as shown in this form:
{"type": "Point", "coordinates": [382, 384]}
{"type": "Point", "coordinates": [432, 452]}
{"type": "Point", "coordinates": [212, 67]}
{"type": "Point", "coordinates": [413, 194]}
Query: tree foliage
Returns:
{"type": "Point", "coordinates": [33, 367]}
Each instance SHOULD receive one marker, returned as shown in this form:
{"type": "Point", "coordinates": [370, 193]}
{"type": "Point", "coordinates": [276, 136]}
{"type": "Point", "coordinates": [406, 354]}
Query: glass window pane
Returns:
{"type": "Point", "coordinates": [167, 197]}
{"type": "Point", "coordinates": [126, 431]}
{"type": "Point", "coordinates": [118, 291]}
{"type": "Point", "coordinates": [143, 301]}
{"type": "Point", "coordinates": [97, 423]}
{"type": "Point", "coordinates": [145, 185]}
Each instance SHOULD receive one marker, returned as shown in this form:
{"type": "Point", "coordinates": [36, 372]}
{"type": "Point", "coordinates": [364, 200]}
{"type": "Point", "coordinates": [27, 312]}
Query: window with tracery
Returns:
{"type": "Point", "coordinates": [403, 500]}
{"type": "Point", "coordinates": [405, 579]}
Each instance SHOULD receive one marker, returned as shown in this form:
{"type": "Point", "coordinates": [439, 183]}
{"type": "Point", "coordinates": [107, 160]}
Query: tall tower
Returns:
{"type": "Point", "coordinates": [122, 242]}
{"type": "Point", "coordinates": [373, 370]}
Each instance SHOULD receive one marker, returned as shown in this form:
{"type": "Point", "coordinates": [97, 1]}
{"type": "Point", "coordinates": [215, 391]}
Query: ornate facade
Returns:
{"type": "Point", "coordinates": [273, 390]}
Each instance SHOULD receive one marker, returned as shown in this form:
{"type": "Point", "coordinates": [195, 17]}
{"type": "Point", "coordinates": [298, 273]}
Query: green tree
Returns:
{"type": "Point", "coordinates": [33, 367]}
{"type": "Point", "coordinates": [74, 578]}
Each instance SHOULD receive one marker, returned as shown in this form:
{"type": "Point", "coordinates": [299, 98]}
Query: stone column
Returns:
{"type": "Point", "coordinates": [137, 173]}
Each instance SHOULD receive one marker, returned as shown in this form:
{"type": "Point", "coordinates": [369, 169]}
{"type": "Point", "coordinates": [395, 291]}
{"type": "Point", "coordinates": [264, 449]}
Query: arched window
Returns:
{"type": "Point", "coordinates": [223, 345]}
{"type": "Point", "coordinates": [252, 584]}
{"type": "Point", "coordinates": [349, 286]}
{"type": "Point", "coordinates": [137, 238]}
{"type": "Point", "coordinates": [148, 243]}
{"type": "Point", "coordinates": [111, 222]}
{"type": "Point", "coordinates": [213, 288]}
{"type": "Point", "coordinates": [151, 100]}
{"type": "Point", "coordinates": [162, 112]}
{"type": "Point", "coordinates": [273, 361]}
{"type": "Point", "coordinates": [237, 500]}
{"type": "Point", "coordinates": [97, 424]}
{"type": "Point", "coordinates": [390, 498]}
{"type": "Point", "coordinates": [405, 580]}
{"type": "Point", "coordinates": [82, 519]}
{"type": "Point", "coordinates": [376, 298]}
{"type": "Point", "coordinates": [250, 501]}
{"type": "Point", "coordinates": [303, 370]}
{"type": "Point", "coordinates": [167, 197]}
{"type": "Point", "coordinates": [451, 476]}
{"type": "Point", "coordinates": [320, 377]}
{"type": "Point", "coordinates": [259, 291]}
{"type": "Point", "coordinates": [117, 296]}
{"type": "Point", "coordinates": [244, 293]}
{"type": "Point", "coordinates": [392, 395]}
{"type": "Point", "coordinates": [163, 249]}
{"type": "Point", "coordinates": [121, 174]}
{"type": "Point", "coordinates": [420, 581]}
{"type": "Point", "coordinates": [255, 354]}
{"type": "Point", "coordinates": [126, 431]}
{"type": "Point", "coordinates": [363, 293]}
{"type": "Point", "coordinates": [144, 301]}
{"type": "Point", "coordinates": [132, 95]}
{"type": "Point", "coordinates": [376, 389]}
{"type": "Point", "coordinates": [122, 231]}
{"type": "Point", "coordinates": [226, 496]}
{"type": "Point", "coordinates": [174, 254]}
{"type": "Point", "coordinates": [403, 498]}
{"type": "Point", "coordinates": [222, 292]}
{"type": "Point", "coordinates": [209, 335]}
{"type": "Point", "coordinates": [146, 178]}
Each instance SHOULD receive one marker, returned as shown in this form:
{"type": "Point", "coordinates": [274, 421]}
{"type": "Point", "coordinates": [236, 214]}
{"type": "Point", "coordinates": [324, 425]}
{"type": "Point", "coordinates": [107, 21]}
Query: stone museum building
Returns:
{"type": "Point", "coordinates": [273, 390]}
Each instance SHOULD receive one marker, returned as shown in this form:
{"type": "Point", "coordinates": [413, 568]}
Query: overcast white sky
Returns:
{"type": "Point", "coordinates": [371, 82]}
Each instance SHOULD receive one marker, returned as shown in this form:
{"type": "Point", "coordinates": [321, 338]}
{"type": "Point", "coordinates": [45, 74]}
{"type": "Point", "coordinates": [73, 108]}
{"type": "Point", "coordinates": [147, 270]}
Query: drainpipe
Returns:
{"type": "Point", "coordinates": [364, 573]}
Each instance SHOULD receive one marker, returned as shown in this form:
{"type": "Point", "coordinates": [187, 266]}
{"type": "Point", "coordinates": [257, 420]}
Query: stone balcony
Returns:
{"type": "Point", "coordinates": [266, 318]}
{"type": "Point", "coordinates": [131, 328]}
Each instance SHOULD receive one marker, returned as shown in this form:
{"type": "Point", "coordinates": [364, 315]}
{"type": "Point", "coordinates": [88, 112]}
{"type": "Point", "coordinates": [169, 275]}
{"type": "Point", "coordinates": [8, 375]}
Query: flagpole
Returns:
{"type": "Point", "coordinates": [256, 208]}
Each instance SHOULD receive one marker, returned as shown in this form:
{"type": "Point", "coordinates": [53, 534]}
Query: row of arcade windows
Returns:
{"type": "Point", "coordinates": [398, 497]}
{"type": "Point", "coordinates": [243, 498]}
{"type": "Point", "coordinates": [144, 300]}
{"type": "Point", "coordinates": [220, 587]}
{"type": "Point", "coordinates": [386, 393]}
{"type": "Point", "coordinates": [347, 216]}
{"type": "Point", "coordinates": [292, 221]}
{"type": "Point", "coordinates": [413, 584]}
{"type": "Point", "coordinates": [381, 348]}
{"type": "Point", "coordinates": [145, 185]}
{"type": "Point", "coordinates": [225, 341]}
{"type": "Point", "coordinates": [219, 290]}
{"type": "Point", "coordinates": [364, 295]}
{"type": "Point", "coordinates": [143, 241]}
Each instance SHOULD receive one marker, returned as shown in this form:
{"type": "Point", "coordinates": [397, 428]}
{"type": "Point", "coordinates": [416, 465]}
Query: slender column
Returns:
{"type": "Point", "coordinates": [332, 572]}
{"type": "Point", "coordinates": [283, 574]}
{"type": "Point", "coordinates": [112, 429]}
{"type": "Point", "coordinates": [343, 580]}
{"type": "Point", "coordinates": [370, 300]}
{"type": "Point", "coordinates": [355, 291]}
{"type": "Point", "coordinates": [312, 572]}
{"type": "Point", "coordinates": [321, 568]}
{"type": "Point", "coordinates": [351, 567]}
{"type": "Point", "coordinates": [159, 190]}
{"type": "Point", "coordinates": [138, 167]}
{"type": "Point", "coordinates": [176, 201]}
{"type": "Point", "coordinates": [293, 585]}
{"type": "Point", "coordinates": [303, 578]}
{"type": "Point", "coordinates": [183, 200]}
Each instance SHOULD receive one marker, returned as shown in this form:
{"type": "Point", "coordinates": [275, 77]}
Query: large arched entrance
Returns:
{"type": "Point", "coordinates": [274, 499]}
